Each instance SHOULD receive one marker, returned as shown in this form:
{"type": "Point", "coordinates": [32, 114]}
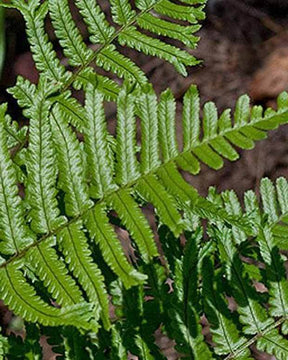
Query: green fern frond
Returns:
{"type": "Point", "coordinates": [62, 287]}
{"type": "Point", "coordinates": [134, 39]}
{"type": "Point", "coordinates": [104, 34]}
{"type": "Point", "coordinates": [41, 169]}
{"type": "Point", "coordinates": [127, 167]}
{"type": "Point", "coordinates": [70, 160]}
{"type": "Point", "coordinates": [22, 299]}
{"type": "Point", "coordinates": [180, 12]}
{"type": "Point", "coordinates": [274, 200]}
{"type": "Point", "coordinates": [102, 232]}
{"type": "Point", "coordinates": [225, 333]}
{"type": "Point", "coordinates": [258, 322]}
{"type": "Point", "coordinates": [66, 31]}
{"type": "Point", "coordinates": [15, 235]}
{"type": "Point", "coordinates": [171, 30]}
{"type": "Point", "coordinates": [16, 135]}
{"type": "Point", "coordinates": [183, 304]}
{"type": "Point", "coordinates": [44, 55]}
{"type": "Point", "coordinates": [96, 145]}
{"type": "Point", "coordinates": [64, 261]}
{"type": "Point", "coordinates": [274, 343]}
{"type": "Point", "coordinates": [135, 222]}
{"type": "Point", "coordinates": [99, 29]}
{"type": "Point", "coordinates": [77, 254]}
{"type": "Point", "coordinates": [60, 167]}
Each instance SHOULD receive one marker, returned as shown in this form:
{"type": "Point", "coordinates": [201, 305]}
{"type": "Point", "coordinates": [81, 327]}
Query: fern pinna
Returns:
{"type": "Point", "coordinates": [62, 263]}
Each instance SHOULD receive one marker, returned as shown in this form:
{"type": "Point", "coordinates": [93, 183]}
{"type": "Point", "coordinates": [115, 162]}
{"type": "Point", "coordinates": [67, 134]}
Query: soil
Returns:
{"type": "Point", "coordinates": [244, 48]}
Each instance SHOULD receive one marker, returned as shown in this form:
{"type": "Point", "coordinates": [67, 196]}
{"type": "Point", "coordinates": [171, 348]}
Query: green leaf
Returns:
{"type": "Point", "coordinates": [127, 167]}
{"type": "Point", "coordinates": [15, 234]}
{"type": "Point", "coordinates": [96, 145]}
{"type": "Point", "coordinates": [74, 246]}
{"type": "Point", "coordinates": [67, 33]}
{"type": "Point", "coordinates": [103, 234]}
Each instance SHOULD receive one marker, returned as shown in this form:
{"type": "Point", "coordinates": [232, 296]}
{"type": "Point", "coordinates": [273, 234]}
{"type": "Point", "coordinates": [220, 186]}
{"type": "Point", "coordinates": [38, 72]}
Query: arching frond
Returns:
{"type": "Point", "coordinates": [58, 161]}
{"type": "Point", "coordinates": [125, 30]}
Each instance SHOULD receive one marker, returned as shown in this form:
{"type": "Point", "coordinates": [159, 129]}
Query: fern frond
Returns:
{"type": "Point", "coordinates": [96, 145]}
{"type": "Point", "coordinates": [70, 110]}
{"type": "Point", "coordinates": [73, 244]}
{"type": "Point", "coordinates": [105, 35]}
{"type": "Point", "coordinates": [171, 30]}
{"type": "Point", "coordinates": [61, 260]}
{"type": "Point", "coordinates": [180, 12]}
{"type": "Point", "coordinates": [135, 222]}
{"type": "Point", "coordinates": [253, 315]}
{"type": "Point", "coordinates": [143, 348]}
{"type": "Point", "coordinates": [54, 277]}
{"type": "Point", "coordinates": [16, 136]}
{"type": "Point", "coordinates": [111, 60]}
{"type": "Point", "coordinates": [274, 200]}
{"type": "Point", "coordinates": [57, 173]}
{"type": "Point", "coordinates": [67, 33]}
{"type": "Point", "coordinates": [44, 56]}
{"type": "Point", "coordinates": [15, 235]}
{"type": "Point", "coordinates": [24, 92]}
{"type": "Point", "coordinates": [184, 302]}
{"type": "Point", "coordinates": [167, 129]}
{"type": "Point", "coordinates": [147, 108]}
{"type": "Point", "coordinates": [119, 351]}
{"type": "Point", "coordinates": [134, 39]}
{"type": "Point", "coordinates": [98, 27]}
{"type": "Point", "coordinates": [166, 206]}
{"type": "Point", "coordinates": [133, 331]}
{"type": "Point", "coordinates": [225, 333]}
{"type": "Point", "coordinates": [22, 299]}
{"type": "Point", "coordinates": [232, 205]}
{"type": "Point", "coordinates": [126, 147]}
{"type": "Point", "coordinates": [274, 343]}
{"type": "Point", "coordinates": [127, 167]}
{"type": "Point", "coordinates": [72, 175]}
{"type": "Point", "coordinates": [122, 12]}
{"type": "Point", "coordinates": [109, 88]}
{"type": "Point", "coordinates": [275, 272]}
{"type": "Point", "coordinates": [101, 231]}
{"type": "Point", "coordinates": [41, 179]}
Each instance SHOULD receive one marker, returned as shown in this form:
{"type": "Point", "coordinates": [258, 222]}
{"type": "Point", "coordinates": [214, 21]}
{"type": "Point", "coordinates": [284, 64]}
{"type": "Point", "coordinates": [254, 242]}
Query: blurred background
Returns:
{"type": "Point", "coordinates": [244, 48]}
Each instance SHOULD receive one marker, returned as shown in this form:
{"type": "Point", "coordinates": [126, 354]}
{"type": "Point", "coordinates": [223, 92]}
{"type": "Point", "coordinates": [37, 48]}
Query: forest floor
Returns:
{"type": "Point", "coordinates": [244, 50]}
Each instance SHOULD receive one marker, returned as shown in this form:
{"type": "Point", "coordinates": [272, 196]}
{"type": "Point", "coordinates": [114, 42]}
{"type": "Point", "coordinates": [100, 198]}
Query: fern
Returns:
{"type": "Point", "coordinates": [160, 183]}
{"type": "Point", "coordinates": [123, 30]}
{"type": "Point", "coordinates": [62, 263]}
{"type": "Point", "coordinates": [256, 321]}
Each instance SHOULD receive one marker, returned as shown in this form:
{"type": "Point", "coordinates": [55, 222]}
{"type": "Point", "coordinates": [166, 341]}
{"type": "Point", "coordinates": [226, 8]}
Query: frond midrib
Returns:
{"type": "Point", "coordinates": [130, 185]}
